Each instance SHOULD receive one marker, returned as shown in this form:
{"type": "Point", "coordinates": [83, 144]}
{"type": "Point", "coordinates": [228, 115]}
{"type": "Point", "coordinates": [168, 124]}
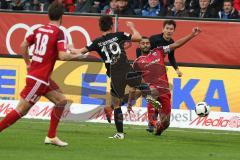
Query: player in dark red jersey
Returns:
{"type": "Point", "coordinates": [50, 44]}
{"type": "Point", "coordinates": [144, 49]}
{"type": "Point", "coordinates": [154, 74]}
{"type": "Point", "coordinates": [163, 39]}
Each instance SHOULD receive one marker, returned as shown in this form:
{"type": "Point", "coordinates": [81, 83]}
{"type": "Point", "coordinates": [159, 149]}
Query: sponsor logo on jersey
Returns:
{"type": "Point", "coordinates": [154, 53]}
{"type": "Point", "coordinates": [152, 62]}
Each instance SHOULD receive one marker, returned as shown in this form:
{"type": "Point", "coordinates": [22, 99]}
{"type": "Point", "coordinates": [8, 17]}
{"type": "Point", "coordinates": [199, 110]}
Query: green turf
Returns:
{"type": "Point", "coordinates": [88, 141]}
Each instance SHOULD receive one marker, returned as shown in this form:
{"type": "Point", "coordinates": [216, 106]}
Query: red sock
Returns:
{"type": "Point", "coordinates": [55, 118]}
{"type": "Point", "coordinates": [159, 127]}
{"type": "Point", "coordinates": [151, 114]}
{"type": "Point", "coordinates": [10, 118]}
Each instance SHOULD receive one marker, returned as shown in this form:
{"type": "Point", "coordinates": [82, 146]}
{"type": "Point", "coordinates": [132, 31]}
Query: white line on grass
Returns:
{"type": "Point", "coordinates": [205, 132]}
{"type": "Point", "coordinates": [221, 132]}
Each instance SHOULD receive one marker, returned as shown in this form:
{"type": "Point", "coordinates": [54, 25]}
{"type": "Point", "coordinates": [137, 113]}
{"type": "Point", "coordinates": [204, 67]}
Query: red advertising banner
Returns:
{"type": "Point", "coordinates": [217, 44]}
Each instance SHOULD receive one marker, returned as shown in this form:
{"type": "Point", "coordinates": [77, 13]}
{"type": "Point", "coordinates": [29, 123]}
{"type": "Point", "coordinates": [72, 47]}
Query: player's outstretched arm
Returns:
{"type": "Point", "coordinates": [66, 56]}
{"type": "Point", "coordinates": [83, 50]}
{"type": "Point", "coordinates": [24, 52]}
{"type": "Point", "coordinates": [136, 36]}
{"type": "Point", "coordinates": [185, 39]}
{"type": "Point", "coordinates": [74, 54]}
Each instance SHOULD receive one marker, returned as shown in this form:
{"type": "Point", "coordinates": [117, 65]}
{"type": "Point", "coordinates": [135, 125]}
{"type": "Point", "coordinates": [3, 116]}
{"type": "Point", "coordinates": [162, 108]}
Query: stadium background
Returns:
{"type": "Point", "coordinates": [210, 71]}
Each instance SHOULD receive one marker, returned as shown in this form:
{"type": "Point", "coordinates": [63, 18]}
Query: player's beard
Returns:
{"type": "Point", "coordinates": [145, 50]}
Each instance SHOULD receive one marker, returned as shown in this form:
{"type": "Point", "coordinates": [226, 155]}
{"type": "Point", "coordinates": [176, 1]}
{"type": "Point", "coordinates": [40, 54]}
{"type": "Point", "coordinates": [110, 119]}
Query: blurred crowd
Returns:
{"type": "Point", "coordinates": [223, 9]}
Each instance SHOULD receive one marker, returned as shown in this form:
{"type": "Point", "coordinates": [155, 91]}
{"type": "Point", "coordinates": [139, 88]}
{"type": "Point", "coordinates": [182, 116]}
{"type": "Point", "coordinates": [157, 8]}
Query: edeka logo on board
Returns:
{"type": "Point", "coordinates": [87, 83]}
{"type": "Point", "coordinates": [90, 91]}
{"type": "Point", "coordinates": [8, 83]}
{"type": "Point", "coordinates": [183, 93]}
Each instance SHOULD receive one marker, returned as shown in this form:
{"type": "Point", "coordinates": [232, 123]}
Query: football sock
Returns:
{"type": "Point", "coordinates": [10, 119]}
{"type": "Point", "coordinates": [125, 99]}
{"type": "Point", "coordinates": [160, 129]}
{"type": "Point", "coordinates": [108, 113]}
{"type": "Point", "coordinates": [55, 118]}
{"type": "Point", "coordinates": [118, 118]}
{"type": "Point", "coordinates": [151, 114]}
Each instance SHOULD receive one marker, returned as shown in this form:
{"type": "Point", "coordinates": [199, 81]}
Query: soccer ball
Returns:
{"type": "Point", "coordinates": [202, 109]}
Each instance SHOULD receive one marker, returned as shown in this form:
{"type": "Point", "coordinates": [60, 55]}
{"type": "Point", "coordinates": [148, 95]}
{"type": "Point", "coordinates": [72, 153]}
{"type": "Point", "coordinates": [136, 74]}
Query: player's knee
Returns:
{"type": "Point", "coordinates": [132, 89]}
{"type": "Point", "coordinates": [154, 93]}
{"type": "Point", "coordinates": [116, 107]}
{"type": "Point", "coordinates": [23, 107]}
{"type": "Point", "coordinates": [22, 111]}
{"type": "Point", "coordinates": [64, 103]}
{"type": "Point", "coordinates": [116, 102]}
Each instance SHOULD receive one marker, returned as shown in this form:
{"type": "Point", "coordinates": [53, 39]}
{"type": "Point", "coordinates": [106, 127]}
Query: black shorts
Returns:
{"type": "Point", "coordinates": [121, 80]}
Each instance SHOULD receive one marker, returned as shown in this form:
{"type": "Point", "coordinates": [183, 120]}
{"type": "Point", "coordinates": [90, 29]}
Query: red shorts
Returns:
{"type": "Point", "coordinates": [161, 86]}
{"type": "Point", "coordinates": [35, 89]}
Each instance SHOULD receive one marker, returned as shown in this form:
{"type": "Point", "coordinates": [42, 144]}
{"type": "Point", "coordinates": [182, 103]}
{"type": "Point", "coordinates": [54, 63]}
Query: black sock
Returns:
{"type": "Point", "coordinates": [118, 118]}
{"type": "Point", "coordinates": [125, 99]}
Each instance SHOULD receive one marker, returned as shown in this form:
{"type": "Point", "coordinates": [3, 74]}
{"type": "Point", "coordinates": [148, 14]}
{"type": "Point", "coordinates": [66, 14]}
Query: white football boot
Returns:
{"type": "Point", "coordinates": [55, 141]}
{"type": "Point", "coordinates": [117, 136]}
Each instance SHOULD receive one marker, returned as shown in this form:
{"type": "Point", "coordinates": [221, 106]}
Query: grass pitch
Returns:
{"type": "Point", "coordinates": [88, 141]}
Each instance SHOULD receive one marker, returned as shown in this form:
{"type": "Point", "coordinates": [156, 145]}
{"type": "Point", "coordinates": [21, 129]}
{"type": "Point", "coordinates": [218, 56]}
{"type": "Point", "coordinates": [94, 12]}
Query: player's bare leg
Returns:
{"type": "Point", "coordinates": [133, 95]}
{"type": "Point", "coordinates": [108, 112]}
{"type": "Point", "coordinates": [108, 109]}
{"type": "Point", "coordinates": [22, 109]}
{"type": "Point", "coordinates": [60, 102]}
{"type": "Point", "coordinates": [130, 98]}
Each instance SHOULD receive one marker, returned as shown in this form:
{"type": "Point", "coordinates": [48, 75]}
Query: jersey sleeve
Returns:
{"type": "Point", "coordinates": [92, 46]}
{"type": "Point", "coordinates": [153, 42]}
{"type": "Point", "coordinates": [61, 41]}
{"type": "Point", "coordinates": [125, 36]}
{"type": "Point", "coordinates": [136, 64]}
{"type": "Point", "coordinates": [172, 60]}
{"type": "Point", "coordinates": [138, 52]}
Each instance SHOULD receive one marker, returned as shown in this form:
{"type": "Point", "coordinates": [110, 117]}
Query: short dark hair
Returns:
{"type": "Point", "coordinates": [169, 22]}
{"type": "Point", "coordinates": [105, 23]}
{"type": "Point", "coordinates": [145, 37]}
{"type": "Point", "coordinates": [123, 0]}
{"type": "Point", "coordinates": [55, 11]}
{"type": "Point", "coordinates": [228, 1]}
